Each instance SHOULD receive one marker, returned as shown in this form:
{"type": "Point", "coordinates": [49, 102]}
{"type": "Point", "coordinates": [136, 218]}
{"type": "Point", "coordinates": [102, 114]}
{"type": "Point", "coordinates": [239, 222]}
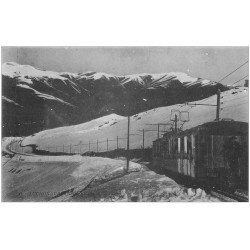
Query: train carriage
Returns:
{"type": "Point", "coordinates": [215, 152]}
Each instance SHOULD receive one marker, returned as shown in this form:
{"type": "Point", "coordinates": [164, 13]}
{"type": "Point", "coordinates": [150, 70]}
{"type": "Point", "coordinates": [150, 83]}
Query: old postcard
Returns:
{"type": "Point", "coordinates": [112, 124]}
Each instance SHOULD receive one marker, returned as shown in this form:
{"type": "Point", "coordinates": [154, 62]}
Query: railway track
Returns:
{"type": "Point", "coordinates": [228, 196]}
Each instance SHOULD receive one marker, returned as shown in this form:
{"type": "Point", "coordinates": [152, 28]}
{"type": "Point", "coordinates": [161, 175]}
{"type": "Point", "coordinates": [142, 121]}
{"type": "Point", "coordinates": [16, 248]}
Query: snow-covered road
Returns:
{"type": "Point", "coordinates": [77, 178]}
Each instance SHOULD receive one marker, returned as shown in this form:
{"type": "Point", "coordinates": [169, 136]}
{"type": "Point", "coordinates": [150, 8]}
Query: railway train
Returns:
{"type": "Point", "coordinates": [214, 153]}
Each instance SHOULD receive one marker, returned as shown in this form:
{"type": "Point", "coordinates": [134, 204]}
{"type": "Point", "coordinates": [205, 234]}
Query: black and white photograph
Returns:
{"type": "Point", "coordinates": [125, 124]}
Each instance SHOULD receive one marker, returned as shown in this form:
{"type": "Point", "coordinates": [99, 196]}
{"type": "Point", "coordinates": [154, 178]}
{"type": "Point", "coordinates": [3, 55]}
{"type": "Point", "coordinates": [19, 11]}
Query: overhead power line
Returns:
{"type": "Point", "coordinates": [229, 75]}
{"type": "Point", "coordinates": [239, 80]}
{"type": "Point", "coordinates": [233, 71]}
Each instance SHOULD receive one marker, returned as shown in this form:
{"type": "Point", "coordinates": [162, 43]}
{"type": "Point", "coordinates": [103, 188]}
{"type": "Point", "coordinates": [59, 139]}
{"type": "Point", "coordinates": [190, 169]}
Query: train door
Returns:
{"type": "Point", "coordinates": [179, 160]}
{"type": "Point", "coordinates": [192, 154]}
{"type": "Point", "coordinates": [183, 156]}
{"type": "Point", "coordinates": [187, 153]}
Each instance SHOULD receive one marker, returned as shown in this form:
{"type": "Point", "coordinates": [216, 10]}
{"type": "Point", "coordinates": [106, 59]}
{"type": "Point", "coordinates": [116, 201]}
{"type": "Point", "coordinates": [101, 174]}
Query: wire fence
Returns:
{"type": "Point", "coordinates": [93, 146]}
{"type": "Point", "coordinates": [141, 139]}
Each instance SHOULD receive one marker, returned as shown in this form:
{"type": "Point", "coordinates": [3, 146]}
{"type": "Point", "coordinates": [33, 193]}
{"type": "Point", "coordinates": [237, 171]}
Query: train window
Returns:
{"type": "Point", "coordinates": [179, 145]}
{"type": "Point", "coordinates": [185, 144]}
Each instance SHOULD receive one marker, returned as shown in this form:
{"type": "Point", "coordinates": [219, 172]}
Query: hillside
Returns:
{"type": "Point", "coordinates": [35, 99]}
{"type": "Point", "coordinates": [234, 106]}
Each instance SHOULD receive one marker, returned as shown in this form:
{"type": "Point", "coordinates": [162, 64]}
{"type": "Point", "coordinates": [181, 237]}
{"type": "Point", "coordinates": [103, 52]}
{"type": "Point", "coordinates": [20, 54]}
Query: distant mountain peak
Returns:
{"type": "Point", "coordinates": [13, 69]}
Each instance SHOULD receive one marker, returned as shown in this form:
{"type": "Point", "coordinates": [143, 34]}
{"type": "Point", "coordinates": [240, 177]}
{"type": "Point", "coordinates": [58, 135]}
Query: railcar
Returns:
{"type": "Point", "coordinates": [214, 153]}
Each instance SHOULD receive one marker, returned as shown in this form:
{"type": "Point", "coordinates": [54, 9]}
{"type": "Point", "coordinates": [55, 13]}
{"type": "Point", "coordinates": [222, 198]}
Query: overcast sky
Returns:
{"type": "Point", "coordinates": [206, 62]}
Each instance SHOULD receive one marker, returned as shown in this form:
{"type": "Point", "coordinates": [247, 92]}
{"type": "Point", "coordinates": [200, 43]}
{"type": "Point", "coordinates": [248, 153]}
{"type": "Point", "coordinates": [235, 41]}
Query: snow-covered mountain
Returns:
{"type": "Point", "coordinates": [35, 99]}
{"type": "Point", "coordinates": [234, 106]}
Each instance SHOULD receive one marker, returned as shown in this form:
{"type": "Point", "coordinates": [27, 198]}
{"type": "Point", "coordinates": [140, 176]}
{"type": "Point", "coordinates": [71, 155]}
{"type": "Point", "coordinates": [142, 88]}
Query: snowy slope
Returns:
{"type": "Point", "coordinates": [235, 106]}
{"type": "Point", "coordinates": [13, 69]}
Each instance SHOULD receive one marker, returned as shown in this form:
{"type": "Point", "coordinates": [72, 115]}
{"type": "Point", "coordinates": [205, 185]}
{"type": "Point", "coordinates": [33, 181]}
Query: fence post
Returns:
{"type": "Point", "coordinates": [89, 146]}
{"type": "Point", "coordinates": [70, 148]}
{"type": "Point", "coordinates": [117, 139]}
{"type": "Point", "coordinates": [107, 144]}
{"type": "Point", "coordinates": [97, 146]}
{"type": "Point", "coordinates": [143, 140]}
{"type": "Point", "coordinates": [158, 131]}
{"type": "Point", "coordinates": [63, 148]}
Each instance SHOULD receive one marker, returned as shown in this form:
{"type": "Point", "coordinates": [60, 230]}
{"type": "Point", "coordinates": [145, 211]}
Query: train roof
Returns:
{"type": "Point", "coordinates": [216, 128]}
{"type": "Point", "coordinates": [224, 128]}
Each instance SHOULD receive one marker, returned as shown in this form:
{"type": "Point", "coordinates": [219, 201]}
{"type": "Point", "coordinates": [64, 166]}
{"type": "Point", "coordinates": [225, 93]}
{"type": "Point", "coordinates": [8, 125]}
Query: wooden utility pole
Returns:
{"type": "Point", "coordinates": [158, 130]}
{"type": "Point", "coordinates": [218, 106]}
{"type": "Point", "coordinates": [127, 166]}
{"type": "Point", "coordinates": [89, 146]}
{"type": "Point", "coordinates": [117, 143]}
{"type": "Point", "coordinates": [97, 146]}
{"type": "Point", "coordinates": [107, 144]}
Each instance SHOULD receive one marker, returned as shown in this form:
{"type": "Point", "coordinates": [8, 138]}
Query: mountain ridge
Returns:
{"type": "Point", "coordinates": [50, 99]}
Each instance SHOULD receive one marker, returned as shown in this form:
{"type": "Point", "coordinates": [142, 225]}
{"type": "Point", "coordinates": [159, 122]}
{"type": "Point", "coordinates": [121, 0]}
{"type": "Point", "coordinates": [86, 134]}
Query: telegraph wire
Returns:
{"type": "Point", "coordinates": [233, 71]}
{"type": "Point", "coordinates": [239, 80]}
{"type": "Point", "coordinates": [222, 80]}
{"type": "Point", "coordinates": [229, 75]}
